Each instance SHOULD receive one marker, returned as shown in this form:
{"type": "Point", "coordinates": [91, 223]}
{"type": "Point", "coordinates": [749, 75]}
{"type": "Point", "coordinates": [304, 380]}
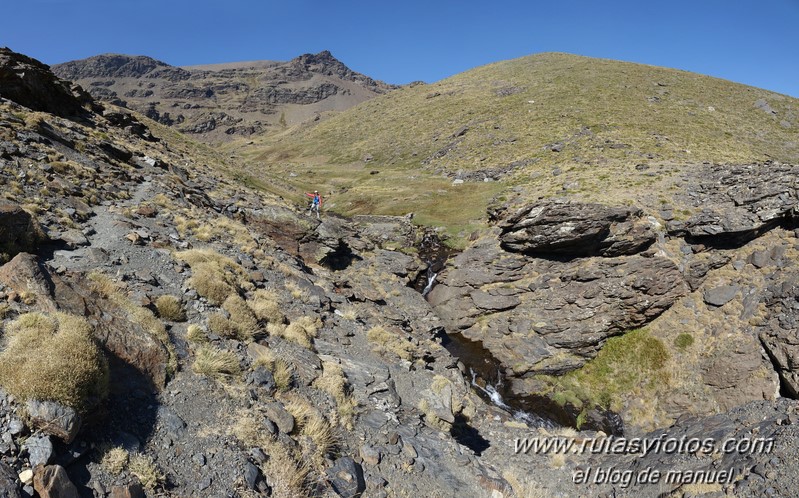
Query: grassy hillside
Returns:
{"type": "Point", "coordinates": [540, 123]}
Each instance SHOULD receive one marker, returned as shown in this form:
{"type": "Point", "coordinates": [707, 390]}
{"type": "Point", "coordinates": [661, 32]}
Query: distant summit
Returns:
{"type": "Point", "coordinates": [220, 101]}
{"type": "Point", "coordinates": [111, 66]}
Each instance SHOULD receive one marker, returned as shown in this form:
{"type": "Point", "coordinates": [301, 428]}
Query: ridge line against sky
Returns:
{"type": "Point", "coordinates": [748, 42]}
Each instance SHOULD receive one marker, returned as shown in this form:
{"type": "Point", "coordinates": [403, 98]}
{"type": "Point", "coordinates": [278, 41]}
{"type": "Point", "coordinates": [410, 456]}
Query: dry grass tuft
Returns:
{"type": "Point", "coordinates": [302, 331]}
{"type": "Point", "coordinates": [144, 467]}
{"type": "Point", "coordinates": [170, 308]}
{"type": "Point", "coordinates": [115, 460]}
{"type": "Point", "coordinates": [54, 358]}
{"type": "Point", "coordinates": [384, 341]}
{"type": "Point", "coordinates": [334, 382]}
{"type": "Point", "coordinates": [216, 363]}
{"type": "Point", "coordinates": [241, 317]}
{"type": "Point", "coordinates": [221, 326]}
{"type": "Point", "coordinates": [286, 471]}
{"type": "Point", "coordinates": [265, 305]}
{"type": "Point", "coordinates": [214, 276]}
{"type": "Point", "coordinates": [196, 334]}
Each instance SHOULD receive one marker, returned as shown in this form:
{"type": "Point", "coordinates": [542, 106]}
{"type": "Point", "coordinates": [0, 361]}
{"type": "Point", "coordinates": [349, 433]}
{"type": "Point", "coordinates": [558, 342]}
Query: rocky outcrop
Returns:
{"type": "Point", "coordinates": [19, 232]}
{"type": "Point", "coordinates": [28, 82]}
{"type": "Point", "coordinates": [564, 229]}
{"type": "Point", "coordinates": [546, 316]}
{"type": "Point", "coordinates": [778, 334]}
{"type": "Point", "coordinates": [738, 203]}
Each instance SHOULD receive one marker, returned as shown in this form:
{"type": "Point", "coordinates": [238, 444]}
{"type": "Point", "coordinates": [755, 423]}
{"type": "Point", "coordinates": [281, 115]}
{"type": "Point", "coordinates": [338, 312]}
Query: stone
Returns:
{"type": "Point", "coordinates": [171, 422]}
{"type": "Point", "coordinates": [40, 450]}
{"type": "Point", "coordinates": [54, 418]}
{"type": "Point", "coordinates": [133, 490]}
{"type": "Point", "coordinates": [52, 482]}
{"type": "Point", "coordinates": [719, 296]}
{"type": "Point", "coordinates": [370, 455]}
{"type": "Point", "coordinates": [27, 275]}
{"type": "Point", "coordinates": [252, 474]}
{"type": "Point", "coordinates": [9, 487]}
{"type": "Point", "coordinates": [346, 477]}
{"type": "Point", "coordinates": [262, 378]}
{"type": "Point", "coordinates": [576, 229]}
{"type": "Point", "coordinates": [276, 413]}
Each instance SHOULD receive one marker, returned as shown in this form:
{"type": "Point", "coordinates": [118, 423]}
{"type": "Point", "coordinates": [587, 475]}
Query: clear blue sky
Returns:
{"type": "Point", "coordinates": [748, 41]}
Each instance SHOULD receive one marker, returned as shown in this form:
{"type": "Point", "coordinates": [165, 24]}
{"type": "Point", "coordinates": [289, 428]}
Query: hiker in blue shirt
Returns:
{"type": "Point", "coordinates": [316, 202]}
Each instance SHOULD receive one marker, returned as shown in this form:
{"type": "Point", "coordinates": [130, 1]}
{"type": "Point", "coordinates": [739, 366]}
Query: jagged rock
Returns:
{"type": "Point", "coordinates": [778, 335]}
{"type": "Point", "coordinates": [52, 482]}
{"type": "Point", "coordinates": [128, 491]}
{"type": "Point", "coordinates": [53, 418]}
{"type": "Point", "coordinates": [277, 414]}
{"type": "Point", "coordinates": [263, 379]}
{"type": "Point", "coordinates": [26, 275]}
{"type": "Point", "coordinates": [8, 482]}
{"type": "Point", "coordinates": [18, 232]}
{"type": "Point", "coordinates": [370, 455]}
{"type": "Point", "coordinates": [738, 203]}
{"type": "Point", "coordinates": [28, 82]}
{"type": "Point", "coordinates": [40, 450]}
{"type": "Point", "coordinates": [551, 324]}
{"type": "Point", "coordinates": [575, 229]}
{"type": "Point", "coordinates": [346, 477]}
{"type": "Point", "coordinates": [719, 296]}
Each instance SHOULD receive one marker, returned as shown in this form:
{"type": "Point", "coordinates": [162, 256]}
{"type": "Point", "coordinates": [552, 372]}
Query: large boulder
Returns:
{"type": "Point", "coordinates": [27, 276]}
{"type": "Point", "coordinates": [18, 232]}
{"type": "Point", "coordinates": [571, 229]}
{"type": "Point", "coordinates": [30, 83]}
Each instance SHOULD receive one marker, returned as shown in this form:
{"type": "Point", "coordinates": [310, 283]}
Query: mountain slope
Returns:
{"type": "Point", "coordinates": [218, 101]}
{"type": "Point", "coordinates": [589, 120]}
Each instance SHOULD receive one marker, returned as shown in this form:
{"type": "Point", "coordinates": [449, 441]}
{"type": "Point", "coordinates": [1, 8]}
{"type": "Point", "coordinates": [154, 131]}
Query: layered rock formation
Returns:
{"type": "Point", "coordinates": [225, 100]}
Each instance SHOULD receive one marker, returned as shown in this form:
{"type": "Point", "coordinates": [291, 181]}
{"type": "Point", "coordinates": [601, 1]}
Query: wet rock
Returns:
{"type": "Point", "coordinates": [54, 418]}
{"type": "Point", "coordinates": [52, 482]}
{"type": "Point", "coordinates": [346, 477]}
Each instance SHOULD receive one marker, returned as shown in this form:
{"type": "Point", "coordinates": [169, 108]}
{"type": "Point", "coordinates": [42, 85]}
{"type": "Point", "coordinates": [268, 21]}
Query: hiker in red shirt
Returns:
{"type": "Point", "coordinates": [316, 202]}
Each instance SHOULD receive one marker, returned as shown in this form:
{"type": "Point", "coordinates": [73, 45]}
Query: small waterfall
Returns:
{"type": "Point", "coordinates": [492, 392]}
{"type": "Point", "coordinates": [431, 280]}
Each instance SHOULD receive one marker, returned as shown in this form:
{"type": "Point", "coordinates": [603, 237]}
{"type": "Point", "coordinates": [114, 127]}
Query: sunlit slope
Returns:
{"type": "Point", "coordinates": [515, 109]}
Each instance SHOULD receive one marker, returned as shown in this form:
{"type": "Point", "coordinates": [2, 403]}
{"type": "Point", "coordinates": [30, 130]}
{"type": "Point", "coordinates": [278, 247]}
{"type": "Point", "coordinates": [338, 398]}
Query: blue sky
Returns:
{"type": "Point", "coordinates": [747, 41]}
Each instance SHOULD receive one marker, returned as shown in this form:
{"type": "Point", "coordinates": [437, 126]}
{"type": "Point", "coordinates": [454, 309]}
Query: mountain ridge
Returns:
{"type": "Point", "coordinates": [217, 102]}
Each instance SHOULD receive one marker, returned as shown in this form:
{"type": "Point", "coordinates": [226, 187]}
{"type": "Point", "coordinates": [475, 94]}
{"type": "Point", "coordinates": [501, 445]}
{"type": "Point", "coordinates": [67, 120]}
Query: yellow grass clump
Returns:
{"type": "Point", "coordinates": [53, 357]}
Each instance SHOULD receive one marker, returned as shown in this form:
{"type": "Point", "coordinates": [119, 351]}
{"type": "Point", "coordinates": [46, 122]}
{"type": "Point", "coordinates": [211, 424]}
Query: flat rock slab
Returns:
{"type": "Point", "coordinates": [719, 296]}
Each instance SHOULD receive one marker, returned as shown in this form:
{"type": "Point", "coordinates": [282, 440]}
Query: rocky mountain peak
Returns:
{"type": "Point", "coordinates": [111, 66]}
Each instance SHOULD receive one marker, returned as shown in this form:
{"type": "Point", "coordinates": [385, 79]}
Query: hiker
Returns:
{"type": "Point", "coordinates": [316, 202]}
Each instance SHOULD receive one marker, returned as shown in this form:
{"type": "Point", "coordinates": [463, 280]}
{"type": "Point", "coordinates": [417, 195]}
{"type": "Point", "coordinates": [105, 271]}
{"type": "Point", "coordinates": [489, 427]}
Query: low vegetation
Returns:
{"type": "Point", "coordinates": [384, 341]}
{"type": "Point", "coordinates": [53, 357]}
{"type": "Point", "coordinates": [629, 364]}
{"type": "Point", "coordinates": [170, 308]}
{"type": "Point", "coordinates": [216, 363]}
